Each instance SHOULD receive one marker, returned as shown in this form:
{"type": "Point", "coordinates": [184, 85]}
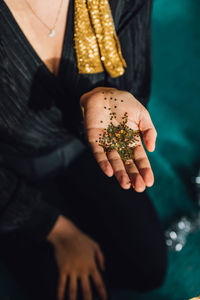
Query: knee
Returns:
{"type": "Point", "coordinates": [143, 274]}
{"type": "Point", "coordinates": [152, 275]}
{"type": "Point", "coordinates": [146, 266]}
{"type": "Point", "coordinates": [151, 279]}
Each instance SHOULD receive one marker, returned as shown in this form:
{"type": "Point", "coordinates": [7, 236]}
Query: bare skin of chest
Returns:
{"type": "Point", "coordinates": [49, 49]}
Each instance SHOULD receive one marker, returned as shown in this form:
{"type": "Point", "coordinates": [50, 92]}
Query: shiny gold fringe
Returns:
{"type": "Point", "coordinates": [96, 43]}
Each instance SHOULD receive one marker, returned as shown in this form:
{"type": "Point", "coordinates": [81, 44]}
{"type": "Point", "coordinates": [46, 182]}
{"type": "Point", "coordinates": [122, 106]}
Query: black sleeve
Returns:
{"type": "Point", "coordinates": [133, 27]}
{"type": "Point", "coordinates": [25, 217]}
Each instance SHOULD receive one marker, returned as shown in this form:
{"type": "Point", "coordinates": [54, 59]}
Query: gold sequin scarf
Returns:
{"type": "Point", "coordinates": [96, 43]}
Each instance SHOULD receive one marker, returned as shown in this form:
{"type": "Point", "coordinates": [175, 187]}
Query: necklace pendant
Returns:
{"type": "Point", "coordinates": [52, 32]}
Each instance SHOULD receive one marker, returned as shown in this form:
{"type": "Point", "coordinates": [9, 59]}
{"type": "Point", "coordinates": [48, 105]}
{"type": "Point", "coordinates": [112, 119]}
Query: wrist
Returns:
{"type": "Point", "coordinates": [98, 89]}
{"type": "Point", "coordinates": [63, 228]}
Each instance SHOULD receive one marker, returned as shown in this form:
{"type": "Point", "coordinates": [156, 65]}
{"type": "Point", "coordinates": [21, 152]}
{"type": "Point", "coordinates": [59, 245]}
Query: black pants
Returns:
{"type": "Point", "coordinates": [123, 222]}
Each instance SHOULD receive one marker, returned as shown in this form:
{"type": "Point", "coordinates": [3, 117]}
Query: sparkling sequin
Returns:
{"type": "Point", "coordinates": [96, 43]}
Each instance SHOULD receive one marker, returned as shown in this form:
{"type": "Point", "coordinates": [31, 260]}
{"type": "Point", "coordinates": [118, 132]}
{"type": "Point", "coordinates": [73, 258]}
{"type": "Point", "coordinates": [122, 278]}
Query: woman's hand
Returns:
{"type": "Point", "coordinates": [96, 117]}
{"type": "Point", "coordinates": [77, 256]}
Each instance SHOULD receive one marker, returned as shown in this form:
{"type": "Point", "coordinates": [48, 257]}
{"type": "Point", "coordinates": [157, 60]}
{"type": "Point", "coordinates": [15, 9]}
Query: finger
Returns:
{"type": "Point", "coordinates": [119, 169]}
{"type": "Point", "coordinates": [100, 258]}
{"type": "Point", "coordinates": [101, 158]}
{"type": "Point", "coordinates": [73, 287]}
{"type": "Point", "coordinates": [100, 286]}
{"type": "Point", "coordinates": [62, 280]}
{"type": "Point", "coordinates": [86, 288]}
{"type": "Point", "coordinates": [143, 165]}
{"type": "Point", "coordinates": [135, 177]}
{"type": "Point", "coordinates": [148, 130]}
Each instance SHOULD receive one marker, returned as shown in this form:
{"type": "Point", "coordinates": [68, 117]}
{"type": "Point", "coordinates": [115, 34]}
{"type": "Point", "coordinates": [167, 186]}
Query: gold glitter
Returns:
{"type": "Point", "coordinates": [100, 47]}
{"type": "Point", "coordinates": [121, 138]}
{"type": "Point", "coordinates": [128, 162]}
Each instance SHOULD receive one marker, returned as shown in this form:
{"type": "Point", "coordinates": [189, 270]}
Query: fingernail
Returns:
{"type": "Point", "coordinates": [126, 185]}
{"type": "Point", "coordinates": [150, 184]}
{"type": "Point", "coordinates": [153, 147]}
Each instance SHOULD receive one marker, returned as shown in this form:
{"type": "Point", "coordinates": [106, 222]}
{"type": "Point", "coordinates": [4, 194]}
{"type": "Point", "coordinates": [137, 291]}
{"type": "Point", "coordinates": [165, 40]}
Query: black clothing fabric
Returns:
{"type": "Point", "coordinates": [123, 222]}
{"type": "Point", "coordinates": [38, 109]}
{"type": "Point", "coordinates": [37, 112]}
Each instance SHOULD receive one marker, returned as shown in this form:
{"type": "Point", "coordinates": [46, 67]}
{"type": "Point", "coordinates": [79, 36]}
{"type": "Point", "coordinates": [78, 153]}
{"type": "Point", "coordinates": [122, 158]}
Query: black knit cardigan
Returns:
{"type": "Point", "coordinates": [36, 107]}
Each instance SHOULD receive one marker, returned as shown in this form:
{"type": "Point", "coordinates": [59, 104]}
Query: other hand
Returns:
{"type": "Point", "coordinates": [78, 257]}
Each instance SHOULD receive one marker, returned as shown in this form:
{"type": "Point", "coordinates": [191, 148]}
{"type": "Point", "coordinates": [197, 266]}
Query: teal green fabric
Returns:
{"type": "Point", "coordinates": [175, 108]}
{"type": "Point", "coordinates": [175, 111]}
{"type": "Point", "coordinates": [175, 103]}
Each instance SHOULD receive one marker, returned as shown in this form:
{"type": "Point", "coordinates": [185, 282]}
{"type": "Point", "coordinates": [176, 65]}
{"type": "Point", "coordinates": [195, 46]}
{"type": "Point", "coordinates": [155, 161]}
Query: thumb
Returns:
{"type": "Point", "coordinates": [148, 130]}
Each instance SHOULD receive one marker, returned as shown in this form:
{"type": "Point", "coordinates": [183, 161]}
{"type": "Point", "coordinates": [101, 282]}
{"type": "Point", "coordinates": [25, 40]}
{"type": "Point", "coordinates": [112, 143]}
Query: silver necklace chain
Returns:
{"type": "Point", "coordinates": [51, 30]}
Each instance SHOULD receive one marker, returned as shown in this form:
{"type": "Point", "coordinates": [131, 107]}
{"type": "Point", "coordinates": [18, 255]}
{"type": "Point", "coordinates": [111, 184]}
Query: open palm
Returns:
{"type": "Point", "coordinates": [99, 105]}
